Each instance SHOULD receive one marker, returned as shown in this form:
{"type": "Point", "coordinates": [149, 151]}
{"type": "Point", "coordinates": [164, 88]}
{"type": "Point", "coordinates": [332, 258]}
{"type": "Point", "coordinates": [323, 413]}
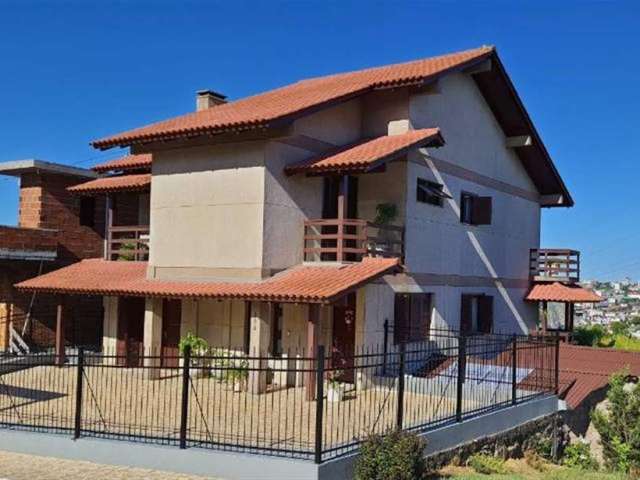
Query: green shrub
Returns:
{"type": "Point", "coordinates": [578, 455]}
{"type": "Point", "coordinates": [589, 336]}
{"type": "Point", "coordinates": [619, 425]}
{"type": "Point", "coordinates": [543, 447]}
{"type": "Point", "coordinates": [486, 464]}
{"type": "Point", "coordinates": [396, 456]}
{"type": "Point", "coordinates": [197, 345]}
{"type": "Point", "coordinates": [535, 461]}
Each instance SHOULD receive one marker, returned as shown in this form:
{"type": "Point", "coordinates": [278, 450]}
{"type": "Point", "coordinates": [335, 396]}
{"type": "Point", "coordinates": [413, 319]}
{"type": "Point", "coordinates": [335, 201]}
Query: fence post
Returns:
{"type": "Point", "coordinates": [385, 346]}
{"type": "Point", "coordinates": [79, 382]}
{"type": "Point", "coordinates": [400, 410]}
{"type": "Point", "coordinates": [184, 412]}
{"type": "Point", "coordinates": [462, 358]}
{"type": "Point", "coordinates": [557, 363]}
{"type": "Point", "coordinates": [319, 401]}
{"type": "Point", "coordinates": [514, 377]}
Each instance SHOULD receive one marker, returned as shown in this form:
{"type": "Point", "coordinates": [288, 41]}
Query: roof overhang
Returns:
{"type": "Point", "coordinates": [15, 168]}
{"type": "Point", "coordinates": [299, 284]}
{"type": "Point", "coordinates": [558, 292]}
{"type": "Point", "coordinates": [123, 183]}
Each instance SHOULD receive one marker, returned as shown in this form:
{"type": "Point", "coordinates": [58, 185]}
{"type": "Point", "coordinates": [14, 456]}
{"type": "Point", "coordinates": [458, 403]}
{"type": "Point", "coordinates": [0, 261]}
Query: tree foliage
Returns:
{"type": "Point", "coordinates": [619, 424]}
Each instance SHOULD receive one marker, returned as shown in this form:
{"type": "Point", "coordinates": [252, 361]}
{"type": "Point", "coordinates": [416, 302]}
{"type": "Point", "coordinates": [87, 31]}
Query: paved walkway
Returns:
{"type": "Point", "coordinates": [15, 466]}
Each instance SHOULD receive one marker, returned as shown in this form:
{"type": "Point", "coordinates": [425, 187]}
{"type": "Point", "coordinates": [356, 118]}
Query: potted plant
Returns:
{"type": "Point", "coordinates": [237, 373]}
{"type": "Point", "coordinates": [199, 348]}
{"type": "Point", "coordinates": [335, 388]}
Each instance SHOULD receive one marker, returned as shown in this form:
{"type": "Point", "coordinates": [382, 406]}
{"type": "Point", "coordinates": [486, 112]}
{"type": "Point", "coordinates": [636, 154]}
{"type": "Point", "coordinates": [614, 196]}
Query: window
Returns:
{"type": "Point", "coordinates": [430, 192]}
{"type": "Point", "coordinates": [276, 330]}
{"type": "Point", "coordinates": [412, 317]}
{"type": "Point", "coordinates": [476, 314]}
{"type": "Point", "coordinates": [87, 211]}
{"type": "Point", "coordinates": [475, 210]}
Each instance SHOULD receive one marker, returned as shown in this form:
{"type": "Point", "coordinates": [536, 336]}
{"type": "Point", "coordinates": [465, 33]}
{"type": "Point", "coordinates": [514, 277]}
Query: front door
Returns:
{"type": "Point", "coordinates": [129, 346]}
{"type": "Point", "coordinates": [171, 314]}
{"type": "Point", "coordinates": [344, 338]}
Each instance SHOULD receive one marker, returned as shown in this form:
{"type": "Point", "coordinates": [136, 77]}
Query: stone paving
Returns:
{"type": "Point", "coordinates": [15, 466]}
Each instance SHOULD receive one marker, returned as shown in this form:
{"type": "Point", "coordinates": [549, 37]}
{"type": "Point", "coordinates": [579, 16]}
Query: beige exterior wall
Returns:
{"type": "Point", "coordinates": [207, 206]}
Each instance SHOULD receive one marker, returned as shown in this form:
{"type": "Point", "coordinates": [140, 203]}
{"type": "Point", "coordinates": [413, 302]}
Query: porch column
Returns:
{"type": "Point", "coordinates": [545, 314]}
{"type": "Point", "coordinates": [60, 323]}
{"type": "Point", "coordinates": [108, 224]}
{"type": "Point", "coordinates": [313, 332]}
{"type": "Point", "coordinates": [152, 337]}
{"type": "Point", "coordinates": [259, 335]}
{"type": "Point", "coordinates": [343, 195]}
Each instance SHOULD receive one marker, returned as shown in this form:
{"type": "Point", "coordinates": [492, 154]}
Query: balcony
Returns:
{"type": "Point", "coordinates": [349, 240]}
{"type": "Point", "coordinates": [554, 265]}
{"type": "Point", "coordinates": [129, 243]}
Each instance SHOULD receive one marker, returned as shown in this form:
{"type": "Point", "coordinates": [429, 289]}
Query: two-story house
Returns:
{"type": "Point", "coordinates": [408, 195]}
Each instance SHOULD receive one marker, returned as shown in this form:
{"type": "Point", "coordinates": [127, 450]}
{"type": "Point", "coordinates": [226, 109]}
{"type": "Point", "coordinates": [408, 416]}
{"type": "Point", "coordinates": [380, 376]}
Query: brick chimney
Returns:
{"type": "Point", "coordinates": [206, 99]}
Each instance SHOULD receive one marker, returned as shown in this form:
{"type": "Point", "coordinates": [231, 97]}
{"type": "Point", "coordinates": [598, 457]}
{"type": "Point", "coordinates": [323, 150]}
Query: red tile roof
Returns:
{"type": "Point", "coordinates": [558, 292]}
{"type": "Point", "coordinates": [124, 183]}
{"type": "Point", "coordinates": [367, 154]}
{"type": "Point", "coordinates": [309, 284]}
{"type": "Point", "coordinates": [129, 162]}
{"type": "Point", "coordinates": [259, 111]}
{"type": "Point", "coordinates": [584, 370]}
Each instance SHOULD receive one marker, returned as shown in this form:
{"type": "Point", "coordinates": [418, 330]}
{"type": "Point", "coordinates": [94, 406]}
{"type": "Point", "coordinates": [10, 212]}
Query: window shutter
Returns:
{"type": "Point", "coordinates": [481, 211]}
{"type": "Point", "coordinates": [485, 314]}
{"type": "Point", "coordinates": [465, 313]}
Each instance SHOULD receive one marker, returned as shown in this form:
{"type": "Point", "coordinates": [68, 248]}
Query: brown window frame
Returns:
{"type": "Point", "coordinates": [475, 209]}
{"type": "Point", "coordinates": [484, 314]}
{"type": "Point", "coordinates": [427, 192]}
{"type": "Point", "coordinates": [412, 322]}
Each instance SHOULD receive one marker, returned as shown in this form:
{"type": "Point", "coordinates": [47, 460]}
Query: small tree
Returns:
{"type": "Point", "coordinates": [619, 425]}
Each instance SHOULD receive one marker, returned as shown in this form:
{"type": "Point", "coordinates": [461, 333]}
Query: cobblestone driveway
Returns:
{"type": "Point", "coordinates": [15, 466]}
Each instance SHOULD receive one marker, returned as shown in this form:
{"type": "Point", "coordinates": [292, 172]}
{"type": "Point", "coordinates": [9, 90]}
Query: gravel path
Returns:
{"type": "Point", "coordinates": [15, 466]}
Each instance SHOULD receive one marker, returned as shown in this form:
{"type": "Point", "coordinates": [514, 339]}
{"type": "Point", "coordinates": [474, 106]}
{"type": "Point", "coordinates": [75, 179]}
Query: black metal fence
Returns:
{"type": "Point", "coordinates": [317, 406]}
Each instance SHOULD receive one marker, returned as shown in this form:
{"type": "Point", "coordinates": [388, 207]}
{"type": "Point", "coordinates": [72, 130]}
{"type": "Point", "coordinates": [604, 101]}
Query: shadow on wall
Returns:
{"type": "Point", "coordinates": [479, 250]}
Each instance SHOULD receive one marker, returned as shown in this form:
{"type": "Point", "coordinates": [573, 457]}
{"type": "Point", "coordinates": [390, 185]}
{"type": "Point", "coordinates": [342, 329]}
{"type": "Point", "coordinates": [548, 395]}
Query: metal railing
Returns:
{"type": "Point", "coordinates": [552, 264]}
{"type": "Point", "coordinates": [128, 243]}
{"type": "Point", "coordinates": [314, 406]}
{"type": "Point", "coordinates": [341, 240]}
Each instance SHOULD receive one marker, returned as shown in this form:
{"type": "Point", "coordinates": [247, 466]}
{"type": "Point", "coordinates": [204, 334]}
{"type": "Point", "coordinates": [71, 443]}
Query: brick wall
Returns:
{"type": "Point", "coordinates": [17, 238]}
{"type": "Point", "coordinates": [45, 203]}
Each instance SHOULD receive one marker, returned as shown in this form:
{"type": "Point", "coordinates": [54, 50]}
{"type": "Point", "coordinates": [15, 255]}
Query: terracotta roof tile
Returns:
{"type": "Point", "coordinates": [367, 154]}
{"type": "Point", "coordinates": [129, 162]}
{"type": "Point", "coordinates": [558, 292]}
{"type": "Point", "coordinates": [260, 110]}
{"type": "Point", "coordinates": [124, 183]}
{"type": "Point", "coordinates": [310, 284]}
{"type": "Point", "coordinates": [584, 370]}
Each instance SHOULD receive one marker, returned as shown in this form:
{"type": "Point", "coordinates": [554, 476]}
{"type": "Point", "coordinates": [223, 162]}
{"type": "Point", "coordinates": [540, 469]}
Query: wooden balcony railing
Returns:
{"type": "Point", "coordinates": [128, 243]}
{"type": "Point", "coordinates": [550, 264]}
{"type": "Point", "coordinates": [340, 240]}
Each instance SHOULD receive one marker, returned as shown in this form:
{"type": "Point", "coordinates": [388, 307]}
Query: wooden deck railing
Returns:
{"type": "Point", "coordinates": [552, 264]}
{"type": "Point", "coordinates": [339, 240]}
{"type": "Point", "coordinates": [128, 243]}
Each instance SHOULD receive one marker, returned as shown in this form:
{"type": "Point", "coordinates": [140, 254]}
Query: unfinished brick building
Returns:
{"type": "Point", "coordinates": [55, 228]}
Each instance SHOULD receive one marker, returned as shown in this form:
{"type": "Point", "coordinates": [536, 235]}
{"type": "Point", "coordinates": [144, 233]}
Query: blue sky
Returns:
{"type": "Point", "coordinates": [75, 71]}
